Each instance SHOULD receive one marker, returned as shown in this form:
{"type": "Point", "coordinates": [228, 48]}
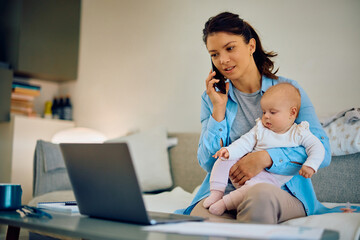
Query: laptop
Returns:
{"type": "Point", "coordinates": [105, 185]}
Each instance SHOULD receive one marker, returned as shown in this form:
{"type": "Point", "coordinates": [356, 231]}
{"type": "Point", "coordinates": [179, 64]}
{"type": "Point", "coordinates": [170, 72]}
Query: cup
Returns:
{"type": "Point", "coordinates": [10, 196]}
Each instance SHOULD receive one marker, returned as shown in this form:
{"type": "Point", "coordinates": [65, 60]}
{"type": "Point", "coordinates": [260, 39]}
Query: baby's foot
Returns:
{"type": "Point", "coordinates": [215, 196]}
{"type": "Point", "coordinates": [218, 208]}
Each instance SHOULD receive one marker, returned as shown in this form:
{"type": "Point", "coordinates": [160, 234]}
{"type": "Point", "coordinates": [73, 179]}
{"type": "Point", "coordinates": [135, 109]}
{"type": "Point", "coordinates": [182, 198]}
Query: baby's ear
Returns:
{"type": "Point", "coordinates": [293, 111]}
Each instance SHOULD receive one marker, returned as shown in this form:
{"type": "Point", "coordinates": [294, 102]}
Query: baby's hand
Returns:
{"type": "Point", "coordinates": [306, 171]}
{"type": "Point", "coordinates": [223, 154]}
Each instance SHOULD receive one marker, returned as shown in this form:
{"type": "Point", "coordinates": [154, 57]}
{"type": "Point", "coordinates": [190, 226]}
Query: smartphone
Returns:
{"type": "Point", "coordinates": [221, 86]}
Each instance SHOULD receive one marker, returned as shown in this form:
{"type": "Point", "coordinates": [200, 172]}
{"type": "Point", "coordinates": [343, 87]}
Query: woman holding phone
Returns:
{"type": "Point", "coordinates": [237, 53]}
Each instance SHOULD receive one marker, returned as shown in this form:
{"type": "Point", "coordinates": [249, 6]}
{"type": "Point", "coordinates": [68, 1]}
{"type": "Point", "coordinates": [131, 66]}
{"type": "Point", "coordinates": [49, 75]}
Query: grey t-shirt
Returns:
{"type": "Point", "coordinates": [248, 111]}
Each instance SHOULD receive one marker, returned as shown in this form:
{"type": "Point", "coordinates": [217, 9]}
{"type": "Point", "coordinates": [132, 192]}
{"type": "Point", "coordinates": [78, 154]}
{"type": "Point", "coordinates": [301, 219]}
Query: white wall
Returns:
{"type": "Point", "coordinates": [143, 63]}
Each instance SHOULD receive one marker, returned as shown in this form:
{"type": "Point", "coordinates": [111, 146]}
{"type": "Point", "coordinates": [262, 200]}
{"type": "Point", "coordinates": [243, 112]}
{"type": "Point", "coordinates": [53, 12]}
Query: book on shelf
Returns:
{"type": "Point", "coordinates": [23, 87]}
{"type": "Point", "coordinates": [22, 103]}
{"type": "Point", "coordinates": [25, 84]}
{"type": "Point", "coordinates": [24, 109]}
{"type": "Point", "coordinates": [26, 91]}
{"type": "Point", "coordinates": [22, 97]}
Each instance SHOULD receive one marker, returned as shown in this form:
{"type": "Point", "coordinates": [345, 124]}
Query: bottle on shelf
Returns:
{"type": "Point", "coordinates": [47, 110]}
{"type": "Point", "coordinates": [61, 107]}
{"type": "Point", "coordinates": [55, 109]}
{"type": "Point", "coordinates": [67, 109]}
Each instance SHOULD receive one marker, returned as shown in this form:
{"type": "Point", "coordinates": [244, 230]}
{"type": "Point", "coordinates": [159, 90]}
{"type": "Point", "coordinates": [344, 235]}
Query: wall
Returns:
{"type": "Point", "coordinates": [143, 63]}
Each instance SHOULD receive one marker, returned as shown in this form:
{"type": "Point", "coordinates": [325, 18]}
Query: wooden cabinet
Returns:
{"type": "Point", "coordinates": [17, 145]}
{"type": "Point", "coordinates": [40, 38]}
{"type": "Point", "coordinates": [6, 77]}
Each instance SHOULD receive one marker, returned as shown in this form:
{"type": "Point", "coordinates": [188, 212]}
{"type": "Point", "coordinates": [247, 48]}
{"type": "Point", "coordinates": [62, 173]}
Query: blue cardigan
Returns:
{"type": "Point", "coordinates": [212, 131]}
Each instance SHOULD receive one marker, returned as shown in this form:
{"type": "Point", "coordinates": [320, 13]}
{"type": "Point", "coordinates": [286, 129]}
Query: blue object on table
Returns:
{"type": "Point", "coordinates": [10, 196]}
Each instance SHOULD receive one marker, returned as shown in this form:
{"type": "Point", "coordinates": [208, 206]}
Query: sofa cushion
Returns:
{"type": "Point", "coordinates": [339, 182]}
{"type": "Point", "coordinates": [78, 135]}
{"type": "Point", "coordinates": [150, 157]}
{"type": "Point", "coordinates": [344, 134]}
{"type": "Point", "coordinates": [185, 168]}
{"type": "Point", "coordinates": [49, 169]}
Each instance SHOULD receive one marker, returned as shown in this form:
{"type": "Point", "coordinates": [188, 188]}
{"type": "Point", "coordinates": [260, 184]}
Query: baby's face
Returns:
{"type": "Point", "coordinates": [277, 114]}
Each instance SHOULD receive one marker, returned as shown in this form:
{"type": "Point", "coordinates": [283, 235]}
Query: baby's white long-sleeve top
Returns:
{"type": "Point", "coordinates": [261, 138]}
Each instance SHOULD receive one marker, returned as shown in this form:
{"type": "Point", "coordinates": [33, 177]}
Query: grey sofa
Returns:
{"type": "Point", "coordinates": [338, 183]}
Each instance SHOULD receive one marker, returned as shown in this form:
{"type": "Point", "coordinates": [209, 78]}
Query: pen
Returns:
{"type": "Point", "coordinates": [72, 203]}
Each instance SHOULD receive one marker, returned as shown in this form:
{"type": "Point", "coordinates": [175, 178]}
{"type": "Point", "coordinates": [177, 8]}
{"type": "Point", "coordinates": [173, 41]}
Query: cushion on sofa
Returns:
{"type": "Point", "coordinates": [149, 151]}
{"type": "Point", "coordinates": [339, 182]}
{"type": "Point", "coordinates": [185, 169]}
{"type": "Point", "coordinates": [344, 136]}
{"type": "Point", "coordinates": [49, 169]}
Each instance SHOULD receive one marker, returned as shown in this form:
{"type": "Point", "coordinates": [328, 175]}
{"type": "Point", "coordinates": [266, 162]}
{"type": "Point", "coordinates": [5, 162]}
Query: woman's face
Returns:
{"type": "Point", "coordinates": [231, 55]}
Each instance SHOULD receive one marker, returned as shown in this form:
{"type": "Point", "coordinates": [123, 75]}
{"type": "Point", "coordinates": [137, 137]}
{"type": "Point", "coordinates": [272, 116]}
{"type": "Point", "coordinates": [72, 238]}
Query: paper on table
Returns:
{"type": "Point", "coordinates": [261, 231]}
{"type": "Point", "coordinates": [58, 207]}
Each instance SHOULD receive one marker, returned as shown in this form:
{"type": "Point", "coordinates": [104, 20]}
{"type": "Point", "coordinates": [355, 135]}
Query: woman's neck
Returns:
{"type": "Point", "coordinates": [249, 83]}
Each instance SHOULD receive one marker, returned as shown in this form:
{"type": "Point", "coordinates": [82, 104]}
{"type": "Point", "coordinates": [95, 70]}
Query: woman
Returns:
{"type": "Point", "coordinates": [237, 53]}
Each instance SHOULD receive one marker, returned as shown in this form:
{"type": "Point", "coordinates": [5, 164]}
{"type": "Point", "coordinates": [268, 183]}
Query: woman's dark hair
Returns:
{"type": "Point", "coordinates": [232, 23]}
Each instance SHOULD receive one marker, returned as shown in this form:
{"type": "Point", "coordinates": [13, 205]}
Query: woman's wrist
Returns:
{"type": "Point", "coordinates": [218, 113]}
{"type": "Point", "coordinates": [266, 159]}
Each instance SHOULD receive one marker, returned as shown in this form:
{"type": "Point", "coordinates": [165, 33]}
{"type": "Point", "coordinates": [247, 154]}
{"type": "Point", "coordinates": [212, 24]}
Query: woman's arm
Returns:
{"type": "Point", "coordinates": [213, 133]}
{"type": "Point", "coordinates": [249, 166]}
{"type": "Point", "coordinates": [214, 130]}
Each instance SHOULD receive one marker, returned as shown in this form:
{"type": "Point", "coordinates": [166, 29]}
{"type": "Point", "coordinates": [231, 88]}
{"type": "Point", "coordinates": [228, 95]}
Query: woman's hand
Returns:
{"type": "Point", "coordinates": [249, 166]}
{"type": "Point", "coordinates": [218, 99]}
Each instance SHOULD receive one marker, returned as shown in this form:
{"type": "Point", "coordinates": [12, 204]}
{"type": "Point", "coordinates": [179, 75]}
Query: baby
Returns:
{"type": "Point", "coordinates": [276, 128]}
